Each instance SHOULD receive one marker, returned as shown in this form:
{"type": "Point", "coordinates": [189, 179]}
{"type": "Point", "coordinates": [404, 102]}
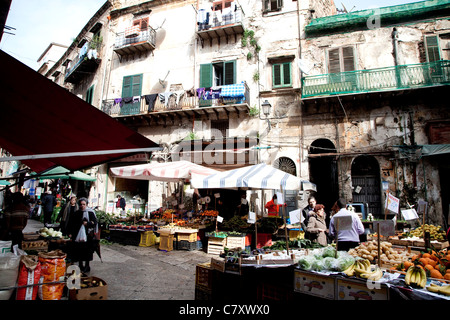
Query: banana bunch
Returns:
{"type": "Point", "coordinates": [361, 268]}
{"type": "Point", "coordinates": [416, 277]}
{"type": "Point", "coordinates": [439, 289]}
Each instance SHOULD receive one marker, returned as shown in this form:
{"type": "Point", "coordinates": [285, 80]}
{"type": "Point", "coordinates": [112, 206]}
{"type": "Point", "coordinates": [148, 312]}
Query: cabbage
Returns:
{"type": "Point", "coordinates": [329, 263]}
{"type": "Point", "coordinates": [329, 252]}
{"type": "Point", "coordinates": [344, 261]}
{"type": "Point", "coordinates": [317, 265]}
{"type": "Point", "coordinates": [305, 262]}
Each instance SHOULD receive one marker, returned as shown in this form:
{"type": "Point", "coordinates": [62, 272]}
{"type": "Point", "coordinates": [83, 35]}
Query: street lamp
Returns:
{"type": "Point", "coordinates": [266, 108]}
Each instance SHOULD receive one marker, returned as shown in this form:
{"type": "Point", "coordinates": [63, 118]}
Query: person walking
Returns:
{"type": "Point", "coordinates": [83, 227]}
{"type": "Point", "coordinates": [317, 227]}
{"type": "Point", "coordinates": [68, 211]}
{"type": "Point", "coordinates": [349, 238]}
{"type": "Point", "coordinates": [48, 204]}
{"type": "Point", "coordinates": [306, 212]}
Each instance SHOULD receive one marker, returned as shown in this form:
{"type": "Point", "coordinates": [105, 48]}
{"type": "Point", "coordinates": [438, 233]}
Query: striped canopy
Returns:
{"type": "Point", "coordinates": [260, 176]}
{"type": "Point", "coordinates": [168, 171]}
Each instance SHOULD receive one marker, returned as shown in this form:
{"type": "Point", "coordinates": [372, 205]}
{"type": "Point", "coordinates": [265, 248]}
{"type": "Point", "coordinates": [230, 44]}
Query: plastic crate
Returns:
{"type": "Point", "coordinates": [166, 242]}
{"type": "Point", "coordinates": [186, 245]}
{"type": "Point", "coordinates": [264, 240]}
{"type": "Point", "coordinates": [148, 239]}
{"type": "Point", "coordinates": [204, 275]}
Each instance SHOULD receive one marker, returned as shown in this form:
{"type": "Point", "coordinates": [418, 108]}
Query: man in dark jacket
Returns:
{"type": "Point", "coordinates": [48, 204]}
{"type": "Point", "coordinates": [121, 203]}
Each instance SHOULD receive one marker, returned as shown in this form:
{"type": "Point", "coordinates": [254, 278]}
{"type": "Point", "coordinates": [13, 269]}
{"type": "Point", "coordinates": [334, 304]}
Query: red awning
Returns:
{"type": "Point", "coordinates": [38, 117]}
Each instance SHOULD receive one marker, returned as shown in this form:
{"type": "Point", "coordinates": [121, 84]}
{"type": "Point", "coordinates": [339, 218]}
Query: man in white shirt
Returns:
{"type": "Point", "coordinates": [346, 239]}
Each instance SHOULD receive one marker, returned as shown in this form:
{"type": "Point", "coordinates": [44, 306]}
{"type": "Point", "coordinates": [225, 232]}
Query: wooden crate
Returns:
{"type": "Point", "coordinates": [203, 275]}
{"type": "Point", "coordinates": [37, 245]}
{"type": "Point", "coordinates": [187, 235]}
{"type": "Point", "coordinates": [235, 242]}
{"type": "Point", "coordinates": [216, 245]}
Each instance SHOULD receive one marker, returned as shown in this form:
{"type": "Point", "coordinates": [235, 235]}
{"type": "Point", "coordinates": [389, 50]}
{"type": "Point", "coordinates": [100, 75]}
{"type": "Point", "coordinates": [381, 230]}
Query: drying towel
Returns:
{"type": "Point", "coordinates": [233, 91]}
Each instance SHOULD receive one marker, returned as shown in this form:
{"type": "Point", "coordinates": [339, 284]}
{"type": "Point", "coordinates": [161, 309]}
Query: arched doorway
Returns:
{"type": "Point", "coordinates": [323, 172]}
{"type": "Point", "coordinates": [366, 183]}
{"type": "Point", "coordinates": [288, 165]}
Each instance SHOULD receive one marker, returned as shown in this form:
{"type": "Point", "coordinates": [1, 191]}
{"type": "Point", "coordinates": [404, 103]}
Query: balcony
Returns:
{"type": "Point", "coordinates": [135, 40]}
{"type": "Point", "coordinates": [86, 62]}
{"type": "Point", "coordinates": [228, 99]}
{"type": "Point", "coordinates": [221, 23]}
{"type": "Point", "coordinates": [381, 79]}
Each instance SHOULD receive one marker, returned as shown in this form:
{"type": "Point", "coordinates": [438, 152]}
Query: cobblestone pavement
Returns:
{"type": "Point", "coordinates": [144, 273]}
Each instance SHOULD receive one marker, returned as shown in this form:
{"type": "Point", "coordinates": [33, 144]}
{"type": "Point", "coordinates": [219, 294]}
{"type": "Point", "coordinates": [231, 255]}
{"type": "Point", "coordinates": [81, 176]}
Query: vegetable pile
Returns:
{"type": "Point", "coordinates": [324, 259]}
{"type": "Point", "coordinates": [369, 250]}
{"type": "Point", "coordinates": [50, 232]}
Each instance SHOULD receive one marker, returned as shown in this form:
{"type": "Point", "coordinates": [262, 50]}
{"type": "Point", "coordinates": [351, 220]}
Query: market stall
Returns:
{"type": "Point", "coordinates": [170, 221]}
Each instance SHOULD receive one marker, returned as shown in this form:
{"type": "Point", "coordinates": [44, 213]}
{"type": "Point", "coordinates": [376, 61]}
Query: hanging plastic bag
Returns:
{"type": "Point", "coordinates": [81, 237]}
{"type": "Point", "coordinates": [53, 268]}
{"type": "Point", "coordinates": [29, 274]}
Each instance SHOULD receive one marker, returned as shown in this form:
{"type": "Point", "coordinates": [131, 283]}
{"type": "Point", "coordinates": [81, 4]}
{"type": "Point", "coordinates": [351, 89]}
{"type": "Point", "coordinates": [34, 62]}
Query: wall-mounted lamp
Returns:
{"type": "Point", "coordinates": [266, 108]}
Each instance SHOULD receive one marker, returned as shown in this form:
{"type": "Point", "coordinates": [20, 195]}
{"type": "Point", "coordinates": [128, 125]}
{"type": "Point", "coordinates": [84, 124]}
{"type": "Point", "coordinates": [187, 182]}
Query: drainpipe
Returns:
{"type": "Point", "coordinates": [395, 53]}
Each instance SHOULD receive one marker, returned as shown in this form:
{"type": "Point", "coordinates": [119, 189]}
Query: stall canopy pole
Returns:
{"type": "Point", "coordinates": [284, 219]}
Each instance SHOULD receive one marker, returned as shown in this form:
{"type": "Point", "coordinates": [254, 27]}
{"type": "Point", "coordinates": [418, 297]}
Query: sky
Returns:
{"type": "Point", "coordinates": [39, 23]}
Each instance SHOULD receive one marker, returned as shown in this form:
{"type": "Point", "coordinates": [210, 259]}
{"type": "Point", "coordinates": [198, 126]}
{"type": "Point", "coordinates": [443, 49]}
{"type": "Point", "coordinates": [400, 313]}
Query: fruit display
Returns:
{"type": "Point", "coordinates": [362, 268]}
{"type": "Point", "coordinates": [369, 250]}
{"type": "Point", "coordinates": [436, 264]}
{"type": "Point", "coordinates": [416, 277]}
{"type": "Point", "coordinates": [50, 233]}
{"type": "Point", "coordinates": [436, 232]}
{"type": "Point", "coordinates": [442, 289]}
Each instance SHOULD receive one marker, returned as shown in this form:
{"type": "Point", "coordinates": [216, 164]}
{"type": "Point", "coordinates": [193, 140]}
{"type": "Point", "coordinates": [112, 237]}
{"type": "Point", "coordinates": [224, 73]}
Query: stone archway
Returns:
{"type": "Point", "coordinates": [288, 165]}
{"type": "Point", "coordinates": [323, 172]}
{"type": "Point", "coordinates": [366, 183]}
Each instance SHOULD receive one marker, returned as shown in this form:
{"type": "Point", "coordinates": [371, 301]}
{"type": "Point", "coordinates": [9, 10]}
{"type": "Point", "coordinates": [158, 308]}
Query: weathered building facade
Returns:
{"type": "Point", "coordinates": [293, 84]}
{"type": "Point", "coordinates": [374, 91]}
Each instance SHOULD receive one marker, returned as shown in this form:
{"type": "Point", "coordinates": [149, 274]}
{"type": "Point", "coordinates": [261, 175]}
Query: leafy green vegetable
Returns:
{"type": "Point", "coordinates": [329, 252]}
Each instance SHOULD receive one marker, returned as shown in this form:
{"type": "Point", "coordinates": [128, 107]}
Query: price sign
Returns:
{"type": "Point", "coordinates": [387, 227]}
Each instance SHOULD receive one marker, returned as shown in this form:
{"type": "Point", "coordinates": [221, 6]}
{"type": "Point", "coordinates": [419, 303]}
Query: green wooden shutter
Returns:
{"type": "Point", "coordinates": [334, 65]}
{"type": "Point", "coordinates": [287, 73]}
{"type": "Point", "coordinates": [206, 75]}
{"type": "Point", "coordinates": [348, 59]}
{"type": "Point", "coordinates": [229, 73]}
{"type": "Point", "coordinates": [90, 95]}
{"type": "Point", "coordinates": [276, 71]}
{"type": "Point", "coordinates": [126, 86]}
{"type": "Point", "coordinates": [432, 48]}
{"type": "Point", "coordinates": [132, 86]}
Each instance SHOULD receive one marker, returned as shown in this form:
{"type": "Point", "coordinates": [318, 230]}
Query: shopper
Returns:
{"type": "Point", "coordinates": [317, 227]}
{"type": "Point", "coordinates": [83, 227]}
{"type": "Point", "coordinates": [346, 239]}
{"type": "Point", "coordinates": [121, 203]}
{"type": "Point", "coordinates": [48, 204]}
{"type": "Point", "coordinates": [308, 210]}
{"type": "Point", "coordinates": [68, 211]}
{"type": "Point", "coordinates": [16, 219]}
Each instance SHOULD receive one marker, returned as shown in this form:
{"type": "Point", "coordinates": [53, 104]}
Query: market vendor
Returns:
{"type": "Point", "coordinates": [273, 208]}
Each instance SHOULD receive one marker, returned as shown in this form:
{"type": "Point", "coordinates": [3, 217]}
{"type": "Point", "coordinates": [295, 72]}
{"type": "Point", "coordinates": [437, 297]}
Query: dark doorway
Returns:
{"type": "Point", "coordinates": [323, 172]}
{"type": "Point", "coordinates": [366, 184]}
{"type": "Point", "coordinates": [444, 177]}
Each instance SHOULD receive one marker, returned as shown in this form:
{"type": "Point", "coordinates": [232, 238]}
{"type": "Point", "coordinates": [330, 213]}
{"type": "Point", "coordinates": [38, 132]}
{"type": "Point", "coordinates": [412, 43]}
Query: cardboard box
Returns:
{"type": "Point", "coordinates": [361, 290]}
{"type": "Point", "coordinates": [91, 292]}
{"type": "Point", "coordinates": [314, 284]}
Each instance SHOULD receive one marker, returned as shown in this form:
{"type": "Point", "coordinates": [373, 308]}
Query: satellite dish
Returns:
{"type": "Point", "coordinates": [305, 66]}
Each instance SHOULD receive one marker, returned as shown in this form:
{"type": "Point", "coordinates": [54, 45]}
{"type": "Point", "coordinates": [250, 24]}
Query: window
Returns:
{"type": "Point", "coordinates": [432, 48]}
{"type": "Point", "coordinates": [341, 60]}
{"type": "Point", "coordinates": [217, 126]}
{"type": "Point", "coordinates": [132, 86]}
{"type": "Point", "coordinates": [281, 75]}
{"type": "Point", "coordinates": [142, 23]}
{"type": "Point", "coordinates": [272, 5]}
{"type": "Point", "coordinates": [90, 95]}
{"type": "Point", "coordinates": [217, 74]}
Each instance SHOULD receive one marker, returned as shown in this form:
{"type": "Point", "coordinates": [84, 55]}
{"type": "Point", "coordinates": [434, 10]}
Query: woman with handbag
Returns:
{"type": "Point", "coordinates": [83, 227]}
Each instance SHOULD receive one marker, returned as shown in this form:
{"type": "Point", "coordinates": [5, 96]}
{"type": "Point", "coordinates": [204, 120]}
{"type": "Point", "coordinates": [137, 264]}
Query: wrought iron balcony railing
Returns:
{"type": "Point", "coordinates": [380, 79]}
{"type": "Point", "coordinates": [130, 41]}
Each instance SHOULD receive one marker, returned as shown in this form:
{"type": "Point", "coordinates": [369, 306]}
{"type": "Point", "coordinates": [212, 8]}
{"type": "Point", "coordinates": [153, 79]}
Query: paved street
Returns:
{"type": "Point", "coordinates": [144, 273]}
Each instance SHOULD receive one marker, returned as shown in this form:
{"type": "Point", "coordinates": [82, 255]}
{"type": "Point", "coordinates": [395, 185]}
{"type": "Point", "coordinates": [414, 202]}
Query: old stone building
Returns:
{"type": "Point", "coordinates": [338, 99]}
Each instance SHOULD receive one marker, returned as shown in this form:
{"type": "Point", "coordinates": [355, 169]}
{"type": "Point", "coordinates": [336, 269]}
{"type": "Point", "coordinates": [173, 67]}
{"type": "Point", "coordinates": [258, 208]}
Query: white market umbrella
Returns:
{"type": "Point", "coordinates": [167, 171]}
{"type": "Point", "coordinates": [259, 176]}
